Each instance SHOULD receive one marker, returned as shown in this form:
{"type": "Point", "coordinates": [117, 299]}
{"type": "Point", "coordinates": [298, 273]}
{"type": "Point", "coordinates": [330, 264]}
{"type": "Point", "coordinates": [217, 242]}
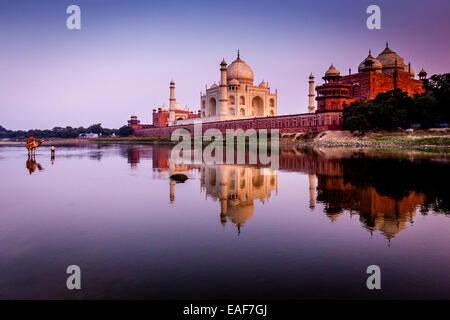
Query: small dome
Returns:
{"type": "Point", "coordinates": [311, 76]}
{"type": "Point", "coordinates": [263, 85]}
{"type": "Point", "coordinates": [133, 116]}
{"type": "Point", "coordinates": [241, 71]}
{"type": "Point", "coordinates": [164, 108]}
{"type": "Point", "coordinates": [422, 72]}
{"type": "Point", "coordinates": [332, 71]}
{"type": "Point", "coordinates": [186, 108]}
{"type": "Point", "coordinates": [234, 82]}
{"type": "Point", "coordinates": [388, 57]}
{"type": "Point", "coordinates": [177, 106]}
{"type": "Point", "coordinates": [223, 63]}
{"type": "Point", "coordinates": [370, 64]}
{"type": "Point", "coordinates": [239, 214]}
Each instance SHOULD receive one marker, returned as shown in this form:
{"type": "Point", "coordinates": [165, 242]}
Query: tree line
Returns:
{"type": "Point", "coordinates": [395, 109]}
{"type": "Point", "coordinates": [67, 132]}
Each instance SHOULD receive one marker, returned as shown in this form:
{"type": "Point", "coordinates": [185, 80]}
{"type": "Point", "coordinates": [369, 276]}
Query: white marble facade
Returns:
{"type": "Point", "coordinates": [235, 97]}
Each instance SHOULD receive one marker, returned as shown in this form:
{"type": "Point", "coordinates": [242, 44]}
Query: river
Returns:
{"type": "Point", "coordinates": [305, 230]}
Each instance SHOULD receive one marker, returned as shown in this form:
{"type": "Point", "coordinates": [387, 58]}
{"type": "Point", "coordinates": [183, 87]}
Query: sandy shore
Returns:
{"type": "Point", "coordinates": [419, 139]}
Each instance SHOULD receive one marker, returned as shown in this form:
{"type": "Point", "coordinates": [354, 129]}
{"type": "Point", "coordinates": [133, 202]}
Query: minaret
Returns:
{"type": "Point", "coordinates": [223, 91]}
{"type": "Point", "coordinates": [223, 211]}
{"type": "Point", "coordinates": [312, 191]}
{"type": "Point", "coordinates": [172, 103]}
{"type": "Point", "coordinates": [172, 191]}
{"type": "Point", "coordinates": [222, 175]}
{"type": "Point", "coordinates": [171, 171]}
{"type": "Point", "coordinates": [311, 95]}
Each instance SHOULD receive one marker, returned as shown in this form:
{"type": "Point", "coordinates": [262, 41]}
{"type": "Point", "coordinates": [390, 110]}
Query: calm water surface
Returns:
{"type": "Point", "coordinates": [307, 230]}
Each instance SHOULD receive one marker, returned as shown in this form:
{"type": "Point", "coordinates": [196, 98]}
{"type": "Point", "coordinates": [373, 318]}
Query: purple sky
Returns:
{"type": "Point", "coordinates": [123, 58]}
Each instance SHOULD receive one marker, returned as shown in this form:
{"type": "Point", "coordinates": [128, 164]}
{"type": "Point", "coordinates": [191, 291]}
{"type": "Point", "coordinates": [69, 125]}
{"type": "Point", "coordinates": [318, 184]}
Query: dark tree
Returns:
{"type": "Point", "coordinates": [126, 131]}
{"type": "Point", "coordinates": [95, 128]}
{"type": "Point", "coordinates": [395, 109]}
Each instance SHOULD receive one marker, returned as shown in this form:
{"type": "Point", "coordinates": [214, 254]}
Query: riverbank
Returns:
{"type": "Point", "coordinates": [419, 139]}
{"type": "Point", "coordinates": [49, 142]}
{"type": "Point", "coordinates": [423, 139]}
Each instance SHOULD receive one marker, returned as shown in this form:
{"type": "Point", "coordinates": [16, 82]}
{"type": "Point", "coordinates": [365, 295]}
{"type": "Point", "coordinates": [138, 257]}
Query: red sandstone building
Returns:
{"type": "Point", "coordinates": [375, 75]}
{"type": "Point", "coordinates": [161, 118]}
{"type": "Point", "coordinates": [386, 72]}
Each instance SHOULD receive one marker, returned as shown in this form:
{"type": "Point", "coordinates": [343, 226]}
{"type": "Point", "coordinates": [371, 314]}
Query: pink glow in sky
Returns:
{"type": "Point", "coordinates": [123, 58]}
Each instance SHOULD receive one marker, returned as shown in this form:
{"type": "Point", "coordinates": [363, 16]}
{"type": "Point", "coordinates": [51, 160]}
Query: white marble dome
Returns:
{"type": "Point", "coordinates": [263, 84]}
{"type": "Point", "coordinates": [234, 82]}
{"type": "Point", "coordinates": [240, 71]}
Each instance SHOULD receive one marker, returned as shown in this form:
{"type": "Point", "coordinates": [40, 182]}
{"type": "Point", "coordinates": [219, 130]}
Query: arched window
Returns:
{"type": "Point", "coordinates": [257, 106]}
{"type": "Point", "coordinates": [272, 103]}
{"type": "Point", "coordinates": [212, 107]}
{"type": "Point", "coordinates": [356, 91]}
{"type": "Point", "coordinates": [232, 101]}
{"type": "Point", "coordinates": [242, 112]}
{"type": "Point", "coordinates": [242, 100]}
{"type": "Point", "coordinates": [232, 111]}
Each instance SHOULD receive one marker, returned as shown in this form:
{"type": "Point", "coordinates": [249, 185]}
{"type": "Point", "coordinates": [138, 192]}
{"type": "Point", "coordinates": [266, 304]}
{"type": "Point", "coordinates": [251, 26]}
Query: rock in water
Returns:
{"type": "Point", "coordinates": [179, 177]}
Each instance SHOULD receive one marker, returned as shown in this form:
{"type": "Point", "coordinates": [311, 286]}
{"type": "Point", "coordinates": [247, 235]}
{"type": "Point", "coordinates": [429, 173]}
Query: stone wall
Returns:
{"type": "Point", "coordinates": [316, 122]}
{"type": "Point", "coordinates": [370, 84]}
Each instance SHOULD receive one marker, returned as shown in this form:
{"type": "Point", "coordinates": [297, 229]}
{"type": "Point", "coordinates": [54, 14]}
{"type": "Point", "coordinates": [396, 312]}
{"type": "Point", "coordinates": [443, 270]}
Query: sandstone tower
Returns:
{"type": "Point", "coordinates": [172, 103]}
{"type": "Point", "coordinates": [311, 95]}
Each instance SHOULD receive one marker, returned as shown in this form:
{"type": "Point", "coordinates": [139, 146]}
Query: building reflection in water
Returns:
{"type": "Point", "coordinates": [340, 180]}
{"type": "Point", "coordinates": [236, 188]}
{"type": "Point", "coordinates": [383, 191]}
{"type": "Point", "coordinates": [376, 211]}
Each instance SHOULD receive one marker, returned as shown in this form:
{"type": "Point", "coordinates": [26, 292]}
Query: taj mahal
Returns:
{"type": "Point", "coordinates": [236, 97]}
{"type": "Point", "coordinates": [237, 103]}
